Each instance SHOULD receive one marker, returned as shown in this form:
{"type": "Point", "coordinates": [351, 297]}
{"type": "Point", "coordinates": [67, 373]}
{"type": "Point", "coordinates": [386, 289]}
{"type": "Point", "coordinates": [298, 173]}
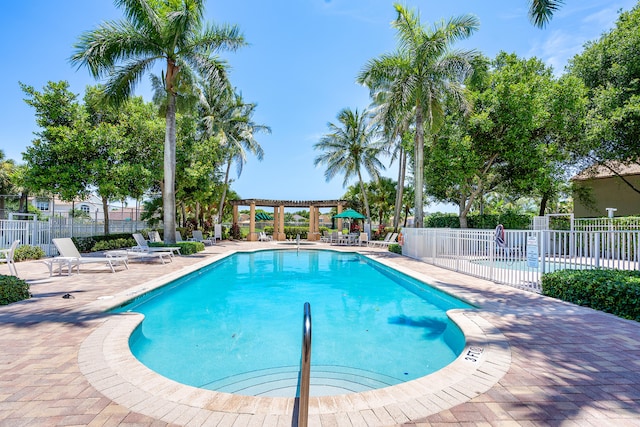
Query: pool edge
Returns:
{"type": "Point", "coordinates": [107, 363]}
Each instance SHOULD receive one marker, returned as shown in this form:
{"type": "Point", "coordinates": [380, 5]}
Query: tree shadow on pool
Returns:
{"type": "Point", "coordinates": [432, 327]}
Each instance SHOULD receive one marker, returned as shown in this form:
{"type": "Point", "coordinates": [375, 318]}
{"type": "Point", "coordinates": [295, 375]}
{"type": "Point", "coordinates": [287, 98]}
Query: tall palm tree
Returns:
{"type": "Point", "coordinates": [541, 11]}
{"type": "Point", "coordinates": [170, 32]}
{"type": "Point", "coordinates": [227, 119]}
{"type": "Point", "coordinates": [350, 147]}
{"type": "Point", "coordinates": [419, 75]}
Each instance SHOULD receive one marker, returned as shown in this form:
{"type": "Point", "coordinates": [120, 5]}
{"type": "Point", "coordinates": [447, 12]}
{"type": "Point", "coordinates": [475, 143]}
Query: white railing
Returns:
{"type": "Point", "coordinates": [526, 255]}
{"type": "Point", "coordinates": [40, 233]}
{"type": "Point", "coordinates": [606, 224]}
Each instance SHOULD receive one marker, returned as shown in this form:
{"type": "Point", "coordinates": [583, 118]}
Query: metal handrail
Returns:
{"type": "Point", "coordinates": [305, 368]}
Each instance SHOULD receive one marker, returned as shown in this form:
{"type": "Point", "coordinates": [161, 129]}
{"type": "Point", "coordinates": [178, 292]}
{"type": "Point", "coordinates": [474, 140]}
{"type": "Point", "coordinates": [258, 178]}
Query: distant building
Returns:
{"type": "Point", "coordinates": [604, 189]}
{"type": "Point", "coordinates": [92, 206]}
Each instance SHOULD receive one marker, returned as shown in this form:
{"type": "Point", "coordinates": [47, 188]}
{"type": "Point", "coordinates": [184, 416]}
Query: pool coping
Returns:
{"type": "Point", "coordinates": [108, 364]}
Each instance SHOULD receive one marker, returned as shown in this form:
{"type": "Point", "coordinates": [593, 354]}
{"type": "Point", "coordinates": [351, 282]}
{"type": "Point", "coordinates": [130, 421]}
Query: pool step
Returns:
{"type": "Point", "coordinates": [283, 381]}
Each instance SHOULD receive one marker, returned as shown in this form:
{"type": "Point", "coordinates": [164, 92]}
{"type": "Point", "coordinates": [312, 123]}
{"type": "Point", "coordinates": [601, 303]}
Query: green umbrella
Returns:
{"type": "Point", "coordinates": [261, 216]}
{"type": "Point", "coordinates": [350, 213]}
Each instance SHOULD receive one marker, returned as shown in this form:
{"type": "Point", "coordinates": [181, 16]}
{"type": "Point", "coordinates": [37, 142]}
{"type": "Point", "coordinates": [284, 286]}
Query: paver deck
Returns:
{"type": "Point", "coordinates": [544, 362]}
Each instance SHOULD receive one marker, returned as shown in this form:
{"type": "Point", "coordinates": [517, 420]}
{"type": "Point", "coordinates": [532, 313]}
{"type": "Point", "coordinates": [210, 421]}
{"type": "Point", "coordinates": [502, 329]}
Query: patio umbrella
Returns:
{"type": "Point", "coordinates": [351, 214]}
{"type": "Point", "coordinates": [261, 216]}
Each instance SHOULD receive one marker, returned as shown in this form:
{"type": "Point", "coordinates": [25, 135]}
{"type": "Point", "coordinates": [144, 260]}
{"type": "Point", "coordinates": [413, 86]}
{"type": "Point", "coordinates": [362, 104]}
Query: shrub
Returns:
{"type": "Point", "coordinates": [510, 220]}
{"type": "Point", "coordinates": [395, 248]}
{"type": "Point", "coordinates": [13, 289]}
{"type": "Point", "coordinates": [118, 243]}
{"type": "Point", "coordinates": [186, 248]}
{"type": "Point", "coordinates": [101, 243]}
{"type": "Point", "coordinates": [26, 252]}
{"type": "Point", "coordinates": [235, 232]}
{"type": "Point", "coordinates": [613, 291]}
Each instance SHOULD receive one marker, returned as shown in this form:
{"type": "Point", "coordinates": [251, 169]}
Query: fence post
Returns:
{"type": "Point", "coordinates": [597, 250]}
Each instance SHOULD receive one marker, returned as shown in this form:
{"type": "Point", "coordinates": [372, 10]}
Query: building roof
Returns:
{"type": "Point", "coordinates": [607, 170]}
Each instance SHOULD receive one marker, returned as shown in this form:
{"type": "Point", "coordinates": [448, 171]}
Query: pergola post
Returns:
{"type": "Point", "coordinates": [339, 219]}
{"type": "Point", "coordinates": [311, 234]}
{"type": "Point", "coordinates": [253, 236]}
{"type": "Point", "coordinates": [281, 235]}
{"type": "Point", "coordinates": [276, 223]}
{"type": "Point", "coordinates": [235, 215]}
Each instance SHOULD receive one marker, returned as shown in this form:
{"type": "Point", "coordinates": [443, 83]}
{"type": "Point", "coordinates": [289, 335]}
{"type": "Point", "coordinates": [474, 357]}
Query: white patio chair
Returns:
{"type": "Point", "coordinates": [8, 257]}
{"type": "Point", "coordinates": [196, 236]}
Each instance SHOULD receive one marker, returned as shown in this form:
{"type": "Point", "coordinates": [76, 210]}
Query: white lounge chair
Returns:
{"type": "Point", "coordinates": [8, 257]}
{"type": "Point", "coordinates": [179, 237]}
{"type": "Point", "coordinates": [196, 236]}
{"type": "Point", "coordinates": [143, 246]}
{"type": "Point", "coordinates": [363, 239]}
{"type": "Point", "coordinates": [71, 257]}
{"type": "Point", "coordinates": [154, 237]}
{"type": "Point", "coordinates": [263, 237]}
{"type": "Point", "coordinates": [387, 242]}
{"type": "Point", "coordinates": [374, 243]}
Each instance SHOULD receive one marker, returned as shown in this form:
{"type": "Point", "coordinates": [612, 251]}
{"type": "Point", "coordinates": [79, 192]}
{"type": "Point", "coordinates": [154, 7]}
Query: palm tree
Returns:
{"type": "Point", "coordinates": [350, 147]}
{"type": "Point", "coordinates": [419, 75]}
{"type": "Point", "coordinates": [229, 120]}
{"type": "Point", "coordinates": [172, 32]}
{"type": "Point", "coordinates": [541, 11]}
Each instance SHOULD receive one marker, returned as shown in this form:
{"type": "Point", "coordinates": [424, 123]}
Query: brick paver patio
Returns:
{"type": "Point", "coordinates": [566, 365]}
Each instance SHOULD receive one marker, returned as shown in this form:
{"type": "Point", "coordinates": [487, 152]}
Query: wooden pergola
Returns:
{"type": "Point", "coordinates": [278, 214]}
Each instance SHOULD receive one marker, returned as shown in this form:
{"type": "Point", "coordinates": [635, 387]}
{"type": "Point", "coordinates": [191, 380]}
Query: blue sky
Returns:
{"type": "Point", "coordinates": [300, 66]}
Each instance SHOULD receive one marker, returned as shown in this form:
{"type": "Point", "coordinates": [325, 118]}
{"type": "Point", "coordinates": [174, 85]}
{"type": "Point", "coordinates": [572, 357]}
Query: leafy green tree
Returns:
{"type": "Point", "coordinates": [125, 140]}
{"type": "Point", "coordinates": [514, 139]}
{"type": "Point", "coordinates": [7, 167]}
{"type": "Point", "coordinates": [58, 159]}
{"type": "Point", "coordinates": [610, 69]}
{"type": "Point", "coordinates": [419, 75]}
{"type": "Point", "coordinates": [349, 147]}
{"type": "Point", "coordinates": [171, 31]}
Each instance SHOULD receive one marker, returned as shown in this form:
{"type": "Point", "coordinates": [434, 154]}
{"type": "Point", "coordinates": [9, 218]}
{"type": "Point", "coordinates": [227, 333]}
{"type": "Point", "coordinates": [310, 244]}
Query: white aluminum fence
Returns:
{"type": "Point", "coordinates": [40, 233]}
{"type": "Point", "coordinates": [528, 253]}
{"type": "Point", "coordinates": [606, 224]}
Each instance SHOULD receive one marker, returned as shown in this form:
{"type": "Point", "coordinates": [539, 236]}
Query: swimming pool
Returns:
{"type": "Point", "coordinates": [235, 326]}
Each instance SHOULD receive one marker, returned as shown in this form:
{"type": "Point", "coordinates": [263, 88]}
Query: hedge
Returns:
{"type": "Point", "coordinates": [612, 291]}
{"type": "Point", "coordinates": [510, 221]}
{"type": "Point", "coordinates": [186, 248]}
{"type": "Point", "coordinates": [13, 289]}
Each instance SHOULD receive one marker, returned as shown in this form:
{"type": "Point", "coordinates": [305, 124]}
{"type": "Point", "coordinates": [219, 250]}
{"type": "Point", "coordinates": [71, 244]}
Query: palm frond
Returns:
{"type": "Point", "coordinates": [140, 13]}
{"type": "Point", "coordinates": [541, 11]}
{"type": "Point", "coordinates": [101, 49]}
{"type": "Point", "coordinates": [120, 86]}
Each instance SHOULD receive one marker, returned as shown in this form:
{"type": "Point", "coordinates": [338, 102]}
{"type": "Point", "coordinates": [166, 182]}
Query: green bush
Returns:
{"type": "Point", "coordinates": [106, 245]}
{"type": "Point", "coordinates": [186, 248]}
{"type": "Point", "coordinates": [395, 248]}
{"type": "Point", "coordinates": [613, 291]}
{"type": "Point", "coordinates": [87, 244]}
{"type": "Point", "coordinates": [13, 289]}
{"type": "Point", "coordinates": [25, 252]}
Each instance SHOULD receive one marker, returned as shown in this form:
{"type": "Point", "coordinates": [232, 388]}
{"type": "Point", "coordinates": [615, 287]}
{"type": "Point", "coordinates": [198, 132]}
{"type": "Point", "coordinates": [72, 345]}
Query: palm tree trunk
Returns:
{"type": "Point", "coordinates": [224, 191]}
{"type": "Point", "coordinates": [169, 194]}
{"type": "Point", "coordinates": [366, 202]}
{"type": "Point", "coordinates": [419, 169]}
{"type": "Point", "coordinates": [399, 189]}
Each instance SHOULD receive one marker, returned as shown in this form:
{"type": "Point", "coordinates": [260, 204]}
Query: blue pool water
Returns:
{"type": "Point", "coordinates": [236, 325]}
